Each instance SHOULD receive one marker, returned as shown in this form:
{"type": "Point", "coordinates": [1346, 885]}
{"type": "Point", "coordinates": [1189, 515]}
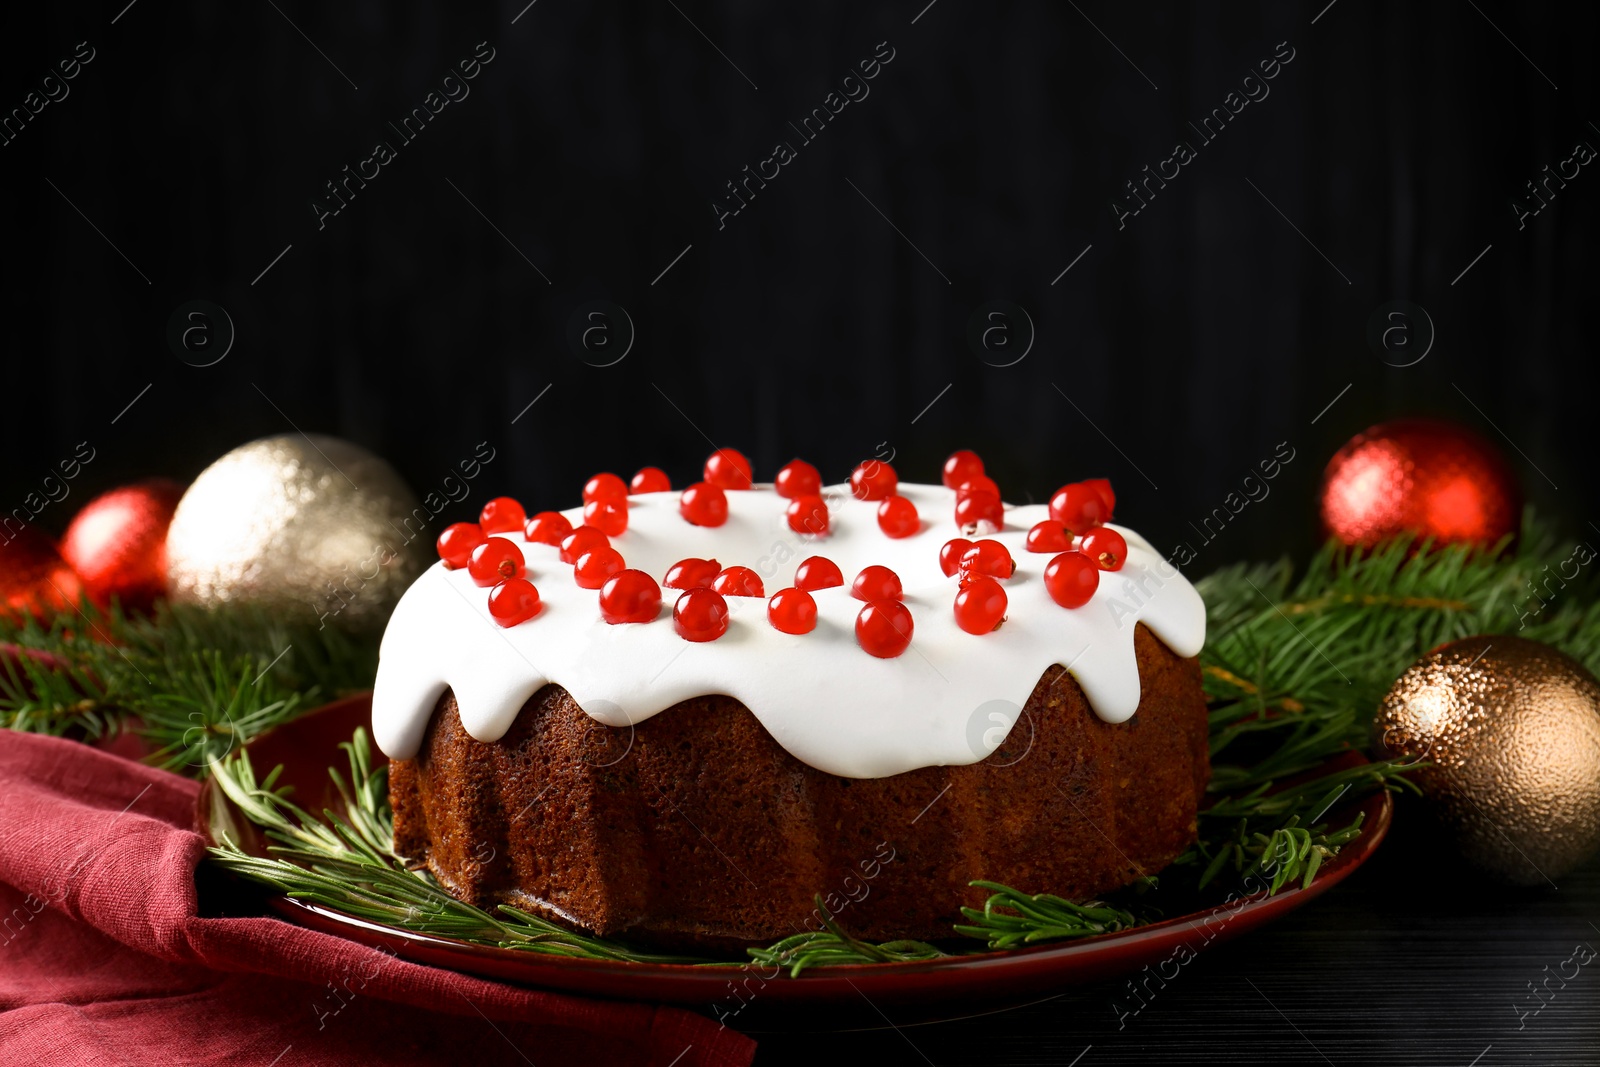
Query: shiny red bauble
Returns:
{"type": "Point", "coordinates": [897, 517]}
{"type": "Point", "coordinates": [792, 611]}
{"type": "Point", "coordinates": [1071, 579]}
{"type": "Point", "coordinates": [980, 512]}
{"type": "Point", "coordinates": [580, 541]}
{"type": "Point", "coordinates": [692, 573]}
{"type": "Point", "coordinates": [503, 514]}
{"type": "Point", "coordinates": [700, 615]}
{"type": "Point", "coordinates": [630, 596]}
{"type": "Point", "coordinates": [703, 504]}
{"type": "Point", "coordinates": [1079, 506]}
{"type": "Point", "coordinates": [513, 600]}
{"type": "Point", "coordinates": [960, 467]}
{"type": "Point", "coordinates": [1106, 547]}
{"type": "Point", "coordinates": [1425, 477]}
{"type": "Point", "coordinates": [817, 572]}
{"type": "Point", "coordinates": [883, 628]}
{"type": "Point", "coordinates": [609, 515]}
{"type": "Point", "coordinates": [738, 581]}
{"type": "Point", "coordinates": [876, 583]}
{"type": "Point", "coordinates": [873, 480]}
{"type": "Point", "coordinates": [494, 561]}
{"type": "Point", "coordinates": [596, 566]}
{"type": "Point", "coordinates": [798, 478]}
{"type": "Point", "coordinates": [988, 557]}
{"type": "Point", "coordinates": [34, 579]}
{"type": "Point", "coordinates": [650, 480]}
{"type": "Point", "coordinates": [950, 555]}
{"type": "Point", "coordinates": [807, 515]}
{"type": "Point", "coordinates": [727, 468]}
{"type": "Point", "coordinates": [980, 605]}
{"type": "Point", "coordinates": [605, 486]}
{"type": "Point", "coordinates": [547, 528]}
{"type": "Point", "coordinates": [457, 541]}
{"type": "Point", "coordinates": [117, 543]}
{"type": "Point", "coordinates": [1048, 535]}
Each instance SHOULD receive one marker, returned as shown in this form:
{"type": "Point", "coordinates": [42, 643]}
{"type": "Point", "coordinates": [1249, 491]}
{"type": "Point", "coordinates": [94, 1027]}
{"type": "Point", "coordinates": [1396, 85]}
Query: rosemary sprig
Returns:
{"type": "Point", "coordinates": [1010, 919]}
{"type": "Point", "coordinates": [347, 863]}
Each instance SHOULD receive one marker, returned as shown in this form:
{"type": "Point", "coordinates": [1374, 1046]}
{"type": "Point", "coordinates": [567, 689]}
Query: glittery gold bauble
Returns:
{"type": "Point", "coordinates": [1512, 730]}
{"type": "Point", "coordinates": [305, 527]}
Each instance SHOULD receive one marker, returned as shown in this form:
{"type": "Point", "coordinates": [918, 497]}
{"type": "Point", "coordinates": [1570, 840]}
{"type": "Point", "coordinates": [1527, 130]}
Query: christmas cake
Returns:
{"type": "Point", "coordinates": [681, 717]}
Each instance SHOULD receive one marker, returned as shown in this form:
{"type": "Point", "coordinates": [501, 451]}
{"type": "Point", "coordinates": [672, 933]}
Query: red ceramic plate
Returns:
{"type": "Point", "coordinates": [741, 995]}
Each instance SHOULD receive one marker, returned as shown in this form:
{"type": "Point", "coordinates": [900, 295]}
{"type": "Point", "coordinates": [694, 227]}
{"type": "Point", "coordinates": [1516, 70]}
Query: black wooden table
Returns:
{"type": "Point", "coordinates": [1414, 960]}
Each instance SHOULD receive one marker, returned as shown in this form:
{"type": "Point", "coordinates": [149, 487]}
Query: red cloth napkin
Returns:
{"type": "Point", "coordinates": [105, 960]}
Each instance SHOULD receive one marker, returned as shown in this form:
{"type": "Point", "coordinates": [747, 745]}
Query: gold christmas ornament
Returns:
{"type": "Point", "coordinates": [1512, 730]}
{"type": "Point", "coordinates": [306, 527]}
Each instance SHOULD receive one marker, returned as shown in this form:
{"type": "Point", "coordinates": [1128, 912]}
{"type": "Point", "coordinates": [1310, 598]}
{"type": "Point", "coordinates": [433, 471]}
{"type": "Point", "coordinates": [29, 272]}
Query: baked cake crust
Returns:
{"type": "Point", "coordinates": [696, 829]}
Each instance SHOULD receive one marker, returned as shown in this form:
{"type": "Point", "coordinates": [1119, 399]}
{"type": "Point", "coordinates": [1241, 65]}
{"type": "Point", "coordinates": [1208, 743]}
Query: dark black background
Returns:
{"type": "Point", "coordinates": [1191, 342]}
{"type": "Point", "coordinates": [1197, 338]}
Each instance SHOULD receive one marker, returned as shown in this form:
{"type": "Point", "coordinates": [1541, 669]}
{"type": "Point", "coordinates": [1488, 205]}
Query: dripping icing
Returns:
{"type": "Point", "coordinates": [827, 702]}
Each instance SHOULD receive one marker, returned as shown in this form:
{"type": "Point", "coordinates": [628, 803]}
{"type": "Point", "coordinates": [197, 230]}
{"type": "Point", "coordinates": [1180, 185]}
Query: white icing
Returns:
{"type": "Point", "coordinates": [823, 698]}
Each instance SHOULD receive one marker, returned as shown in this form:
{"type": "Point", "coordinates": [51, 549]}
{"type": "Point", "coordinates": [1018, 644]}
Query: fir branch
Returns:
{"type": "Point", "coordinates": [194, 684]}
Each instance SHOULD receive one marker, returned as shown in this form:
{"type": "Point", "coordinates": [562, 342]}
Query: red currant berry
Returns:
{"type": "Point", "coordinates": [700, 615]}
{"type": "Point", "coordinates": [817, 572]}
{"type": "Point", "coordinates": [950, 555]}
{"type": "Point", "coordinates": [609, 515]}
{"type": "Point", "coordinates": [650, 480]}
{"type": "Point", "coordinates": [513, 600]}
{"type": "Point", "coordinates": [630, 596]}
{"type": "Point", "coordinates": [502, 515]}
{"type": "Point", "coordinates": [738, 581]}
{"type": "Point", "coordinates": [596, 565]}
{"type": "Point", "coordinates": [897, 517]}
{"type": "Point", "coordinates": [1078, 507]}
{"type": "Point", "coordinates": [884, 628]}
{"type": "Point", "coordinates": [960, 467]}
{"type": "Point", "coordinates": [988, 557]}
{"type": "Point", "coordinates": [980, 512]}
{"type": "Point", "coordinates": [580, 541]}
{"type": "Point", "coordinates": [792, 611]}
{"type": "Point", "coordinates": [494, 561]}
{"type": "Point", "coordinates": [876, 583]}
{"type": "Point", "coordinates": [1048, 535]}
{"type": "Point", "coordinates": [798, 478]}
{"type": "Point", "coordinates": [1071, 579]}
{"type": "Point", "coordinates": [703, 504]}
{"type": "Point", "coordinates": [1106, 547]}
{"type": "Point", "coordinates": [692, 573]}
{"type": "Point", "coordinates": [980, 483]}
{"type": "Point", "coordinates": [604, 486]}
{"type": "Point", "coordinates": [980, 605]}
{"type": "Point", "coordinates": [873, 480]}
{"type": "Point", "coordinates": [457, 542]}
{"type": "Point", "coordinates": [808, 515]}
{"type": "Point", "coordinates": [727, 468]}
{"type": "Point", "coordinates": [1102, 486]}
{"type": "Point", "coordinates": [547, 528]}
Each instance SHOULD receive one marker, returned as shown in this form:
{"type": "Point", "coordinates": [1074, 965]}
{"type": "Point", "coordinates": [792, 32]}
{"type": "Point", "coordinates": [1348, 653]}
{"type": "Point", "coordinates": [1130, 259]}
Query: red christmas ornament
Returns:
{"type": "Point", "coordinates": [34, 579]}
{"type": "Point", "coordinates": [1423, 476]}
{"type": "Point", "coordinates": [118, 543]}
